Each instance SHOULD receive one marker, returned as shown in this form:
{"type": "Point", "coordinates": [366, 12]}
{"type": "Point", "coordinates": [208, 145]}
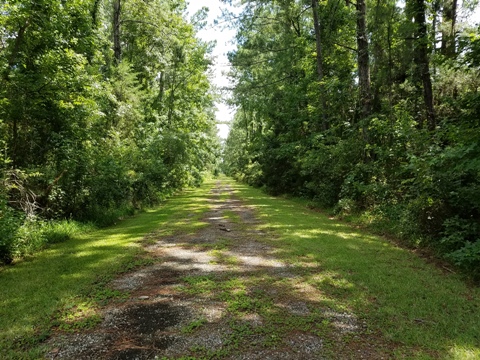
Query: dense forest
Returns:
{"type": "Point", "coordinates": [105, 107]}
{"type": "Point", "coordinates": [367, 107]}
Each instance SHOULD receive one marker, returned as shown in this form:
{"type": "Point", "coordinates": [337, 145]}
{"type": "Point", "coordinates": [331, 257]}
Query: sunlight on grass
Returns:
{"type": "Point", "coordinates": [419, 311]}
{"type": "Point", "coordinates": [57, 286]}
{"type": "Point", "coordinates": [463, 353]}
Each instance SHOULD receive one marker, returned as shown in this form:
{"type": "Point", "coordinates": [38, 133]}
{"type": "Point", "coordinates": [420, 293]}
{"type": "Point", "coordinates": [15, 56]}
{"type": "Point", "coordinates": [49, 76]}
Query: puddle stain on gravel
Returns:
{"type": "Point", "coordinates": [145, 352]}
{"type": "Point", "coordinates": [148, 319]}
{"type": "Point", "coordinates": [132, 353]}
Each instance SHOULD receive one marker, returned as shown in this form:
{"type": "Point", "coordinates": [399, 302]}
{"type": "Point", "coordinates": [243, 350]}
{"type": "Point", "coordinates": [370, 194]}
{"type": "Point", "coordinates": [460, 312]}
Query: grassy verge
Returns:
{"type": "Point", "coordinates": [63, 285]}
{"type": "Point", "coordinates": [411, 305]}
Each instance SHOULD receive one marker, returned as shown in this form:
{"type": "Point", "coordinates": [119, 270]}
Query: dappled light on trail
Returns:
{"type": "Point", "coordinates": [233, 273]}
{"type": "Point", "coordinates": [406, 296]}
{"type": "Point", "coordinates": [239, 296]}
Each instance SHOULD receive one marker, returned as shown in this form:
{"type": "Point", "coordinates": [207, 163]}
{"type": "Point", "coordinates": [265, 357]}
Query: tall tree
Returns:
{"type": "Point", "coordinates": [449, 20]}
{"type": "Point", "coordinates": [363, 59]}
{"type": "Point", "coordinates": [319, 57]}
{"type": "Point", "coordinates": [117, 45]}
{"type": "Point", "coordinates": [421, 59]}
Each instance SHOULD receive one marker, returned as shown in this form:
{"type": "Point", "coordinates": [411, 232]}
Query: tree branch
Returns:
{"type": "Point", "coordinates": [140, 22]}
{"type": "Point", "coordinates": [346, 47]}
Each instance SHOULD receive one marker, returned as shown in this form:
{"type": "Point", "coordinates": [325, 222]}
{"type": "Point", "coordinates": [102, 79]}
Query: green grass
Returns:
{"type": "Point", "coordinates": [413, 306]}
{"type": "Point", "coordinates": [245, 295]}
{"type": "Point", "coordinates": [232, 216]}
{"type": "Point", "coordinates": [188, 329]}
{"type": "Point", "coordinates": [409, 306]}
{"type": "Point", "coordinates": [62, 286]}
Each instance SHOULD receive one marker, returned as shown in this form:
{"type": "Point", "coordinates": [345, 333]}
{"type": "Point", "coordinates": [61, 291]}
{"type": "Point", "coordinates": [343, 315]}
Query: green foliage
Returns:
{"type": "Point", "coordinates": [467, 257]}
{"type": "Point", "coordinates": [188, 329]}
{"type": "Point", "coordinates": [10, 221]}
{"type": "Point", "coordinates": [88, 137]}
{"type": "Point", "coordinates": [34, 234]}
{"type": "Point", "coordinates": [295, 134]}
{"type": "Point", "coordinates": [462, 243]}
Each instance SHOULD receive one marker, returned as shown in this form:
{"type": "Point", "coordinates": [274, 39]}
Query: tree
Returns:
{"type": "Point", "coordinates": [117, 47]}
{"type": "Point", "coordinates": [363, 60]}
{"type": "Point", "coordinates": [448, 45]}
{"type": "Point", "coordinates": [421, 60]}
{"type": "Point", "coordinates": [400, 146]}
{"type": "Point", "coordinates": [318, 43]}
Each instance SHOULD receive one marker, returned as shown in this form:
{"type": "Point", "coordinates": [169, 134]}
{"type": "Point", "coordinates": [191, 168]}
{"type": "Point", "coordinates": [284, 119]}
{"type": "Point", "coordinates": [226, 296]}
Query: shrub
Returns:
{"type": "Point", "coordinates": [59, 231]}
{"type": "Point", "coordinates": [10, 220]}
{"type": "Point", "coordinates": [468, 258]}
{"type": "Point", "coordinates": [34, 234]}
{"type": "Point", "coordinates": [461, 243]}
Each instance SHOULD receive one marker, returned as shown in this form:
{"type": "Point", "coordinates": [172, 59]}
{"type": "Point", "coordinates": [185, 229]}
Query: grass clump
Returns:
{"type": "Point", "coordinates": [78, 315]}
{"type": "Point", "coordinates": [194, 325]}
{"type": "Point", "coordinates": [35, 234]}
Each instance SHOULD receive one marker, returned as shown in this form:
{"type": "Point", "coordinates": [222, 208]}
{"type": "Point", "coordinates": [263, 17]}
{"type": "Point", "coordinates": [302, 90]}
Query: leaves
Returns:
{"type": "Point", "coordinates": [295, 134]}
{"type": "Point", "coordinates": [108, 137]}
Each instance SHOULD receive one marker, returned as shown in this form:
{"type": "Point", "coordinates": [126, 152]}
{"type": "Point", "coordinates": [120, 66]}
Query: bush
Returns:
{"type": "Point", "coordinates": [59, 231]}
{"type": "Point", "coordinates": [34, 234]}
{"type": "Point", "coordinates": [29, 238]}
{"type": "Point", "coordinates": [468, 258]}
{"type": "Point", "coordinates": [10, 221]}
{"type": "Point", "coordinates": [103, 217]}
{"type": "Point", "coordinates": [461, 243]}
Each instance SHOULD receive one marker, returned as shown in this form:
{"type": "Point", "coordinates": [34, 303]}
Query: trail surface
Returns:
{"type": "Point", "coordinates": [222, 292]}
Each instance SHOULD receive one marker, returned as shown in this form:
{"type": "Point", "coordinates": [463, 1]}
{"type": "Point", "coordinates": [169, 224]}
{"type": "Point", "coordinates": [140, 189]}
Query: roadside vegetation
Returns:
{"type": "Point", "coordinates": [367, 107]}
{"type": "Point", "coordinates": [97, 123]}
{"type": "Point", "coordinates": [415, 307]}
{"type": "Point", "coordinates": [63, 286]}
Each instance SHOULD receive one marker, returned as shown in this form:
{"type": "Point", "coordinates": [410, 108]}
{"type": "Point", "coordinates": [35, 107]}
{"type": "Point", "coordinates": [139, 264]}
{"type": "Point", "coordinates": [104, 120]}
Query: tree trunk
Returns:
{"type": "Point", "coordinates": [16, 49]}
{"type": "Point", "coordinates": [448, 28]}
{"type": "Point", "coordinates": [318, 42]}
{"type": "Point", "coordinates": [14, 143]}
{"type": "Point", "coordinates": [171, 100]}
{"type": "Point", "coordinates": [117, 48]}
{"type": "Point", "coordinates": [390, 60]}
{"type": "Point", "coordinates": [422, 62]}
{"type": "Point", "coordinates": [161, 82]}
{"type": "Point", "coordinates": [363, 60]}
{"type": "Point", "coordinates": [435, 9]}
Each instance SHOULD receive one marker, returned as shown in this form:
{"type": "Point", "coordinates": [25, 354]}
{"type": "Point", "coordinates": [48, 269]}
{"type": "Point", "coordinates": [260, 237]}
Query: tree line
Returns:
{"type": "Point", "coordinates": [368, 107]}
{"type": "Point", "coordinates": [105, 107]}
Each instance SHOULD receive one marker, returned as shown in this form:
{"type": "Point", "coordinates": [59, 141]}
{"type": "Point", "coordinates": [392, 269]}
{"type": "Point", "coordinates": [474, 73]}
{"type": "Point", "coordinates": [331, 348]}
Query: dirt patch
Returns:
{"type": "Point", "coordinates": [221, 293]}
{"type": "Point", "coordinates": [145, 319]}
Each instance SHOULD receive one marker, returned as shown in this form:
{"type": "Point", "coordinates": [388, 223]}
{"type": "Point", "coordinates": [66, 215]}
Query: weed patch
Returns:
{"type": "Point", "coordinates": [193, 326]}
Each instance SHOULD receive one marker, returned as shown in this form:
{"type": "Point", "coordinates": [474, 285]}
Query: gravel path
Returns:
{"type": "Point", "coordinates": [221, 293]}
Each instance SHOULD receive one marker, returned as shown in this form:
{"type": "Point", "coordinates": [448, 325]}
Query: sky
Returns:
{"type": "Point", "coordinates": [224, 38]}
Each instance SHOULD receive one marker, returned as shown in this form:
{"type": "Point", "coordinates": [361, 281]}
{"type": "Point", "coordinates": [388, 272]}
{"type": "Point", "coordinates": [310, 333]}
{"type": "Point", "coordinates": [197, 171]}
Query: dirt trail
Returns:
{"type": "Point", "coordinates": [221, 293]}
